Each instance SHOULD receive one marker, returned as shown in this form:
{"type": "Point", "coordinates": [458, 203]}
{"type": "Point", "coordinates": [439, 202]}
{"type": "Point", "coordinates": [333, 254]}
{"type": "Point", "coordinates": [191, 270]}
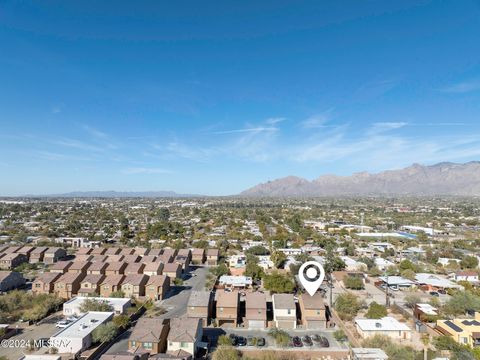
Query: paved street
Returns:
{"type": "Point", "coordinates": [175, 304]}
{"type": "Point", "coordinates": [32, 332]}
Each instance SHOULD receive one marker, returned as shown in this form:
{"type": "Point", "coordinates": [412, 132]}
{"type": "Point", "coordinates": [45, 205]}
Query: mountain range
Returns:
{"type": "Point", "coordinates": [441, 179]}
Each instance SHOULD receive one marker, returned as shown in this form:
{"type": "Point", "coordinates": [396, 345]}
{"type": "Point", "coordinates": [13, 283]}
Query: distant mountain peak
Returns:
{"type": "Point", "coordinates": [445, 178]}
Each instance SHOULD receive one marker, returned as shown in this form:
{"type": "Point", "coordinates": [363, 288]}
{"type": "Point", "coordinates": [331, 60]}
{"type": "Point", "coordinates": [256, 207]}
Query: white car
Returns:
{"type": "Point", "coordinates": [62, 324]}
{"type": "Point", "coordinates": [71, 318]}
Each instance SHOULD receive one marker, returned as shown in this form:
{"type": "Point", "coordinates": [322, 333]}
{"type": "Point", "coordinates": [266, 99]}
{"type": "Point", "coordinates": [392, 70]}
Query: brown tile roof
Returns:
{"type": "Point", "coordinates": [256, 300]}
{"type": "Point", "coordinates": [148, 258]}
{"type": "Point", "coordinates": [212, 252]}
{"type": "Point", "coordinates": [115, 266]}
{"type": "Point", "coordinates": [98, 266]}
{"type": "Point", "coordinates": [83, 257]}
{"type": "Point", "coordinates": [93, 279]}
{"type": "Point", "coordinates": [155, 252]}
{"type": "Point", "coordinates": [157, 280]}
{"type": "Point", "coordinates": [227, 299]}
{"type": "Point", "coordinates": [314, 302]}
{"type": "Point", "coordinates": [140, 251]}
{"type": "Point", "coordinates": [183, 329]}
{"type": "Point", "coordinates": [184, 252]}
{"type": "Point", "coordinates": [131, 258]}
{"type": "Point", "coordinates": [114, 258]}
{"type": "Point", "coordinates": [135, 279]}
{"type": "Point", "coordinates": [171, 267]}
{"type": "Point", "coordinates": [52, 250]}
{"type": "Point", "coordinates": [48, 277]}
{"type": "Point", "coordinates": [79, 265]}
{"type": "Point", "coordinates": [153, 266]}
{"type": "Point", "coordinates": [25, 250]}
{"type": "Point", "coordinates": [39, 250]}
{"type": "Point", "coordinates": [284, 301]}
{"type": "Point", "coordinates": [113, 280]}
{"type": "Point", "coordinates": [69, 278]}
{"type": "Point", "coordinates": [84, 251]}
{"type": "Point", "coordinates": [148, 330]}
{"type": "Point", "coordinates": [198, 252]}
{"type": "Point", "coordinates": [112, 251]}
{"type": "Point", "coordinates": [127, 251]}
{"type": "Point", "coordinates": [134, 268]}
{"type": "Point", "coordinates": [99, 251]}
{"type": "Point", "coordinates": [61, 265]}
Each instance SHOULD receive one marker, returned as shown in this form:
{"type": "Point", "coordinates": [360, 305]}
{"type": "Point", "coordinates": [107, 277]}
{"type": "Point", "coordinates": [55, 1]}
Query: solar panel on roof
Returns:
{"type": "Point", "coordinates": [453, 326]}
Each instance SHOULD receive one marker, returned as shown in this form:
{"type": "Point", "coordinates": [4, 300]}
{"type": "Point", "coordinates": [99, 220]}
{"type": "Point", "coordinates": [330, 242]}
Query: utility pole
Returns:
{"type": "Point", "coordinates": [330, 285]}
{"type": "Point", "coordinates": [387, 298]}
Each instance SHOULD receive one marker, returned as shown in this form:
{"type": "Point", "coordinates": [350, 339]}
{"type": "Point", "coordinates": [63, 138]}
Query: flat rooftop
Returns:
{"type": "Point", "coordinates": [85, 325]}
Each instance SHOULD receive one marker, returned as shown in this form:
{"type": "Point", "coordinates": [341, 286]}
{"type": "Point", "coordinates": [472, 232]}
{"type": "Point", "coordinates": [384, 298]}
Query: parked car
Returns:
{"type": "Point", "coordinates": [441, 291]}
{"type": "Point", "coordinates": [324, 342]}
{"type": "Point", "coordinates": [251, 341]}
{"type": "Point", "coordinates": [241, 341]}
{"type": "Point", "coordinates": [71, 318]}
{"type": "Point", "coordinates": [434, 293]}
{"type": "Point", "coordinates": [316, 338]}
{"type": "Point", "coordinates": [62, 324]}
{"type": "Point", "coordinates": [297, 342]}
{"type": "Point", "coordinates": [307, 340]}
{"type": "Point", "coordinates": [260, 341]}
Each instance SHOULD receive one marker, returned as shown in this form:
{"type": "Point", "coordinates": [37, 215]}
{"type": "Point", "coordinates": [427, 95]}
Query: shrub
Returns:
{"type": "Point", "coordinates": [104, 333]}
{"type": "Point", "coordinates": [339, 335]}
{"type": "Point", "coordinates": [376, 311]}
{"type": "Point", "coordinates": [353, 283]}
{"type": "Point", "coordinates": [347, 306]}
{"type": "Point", "coordinates": [95, 305]}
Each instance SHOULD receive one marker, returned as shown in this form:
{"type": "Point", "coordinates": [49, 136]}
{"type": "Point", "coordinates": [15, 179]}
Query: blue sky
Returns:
{"type": "Point", "coordinates": [214, 97]}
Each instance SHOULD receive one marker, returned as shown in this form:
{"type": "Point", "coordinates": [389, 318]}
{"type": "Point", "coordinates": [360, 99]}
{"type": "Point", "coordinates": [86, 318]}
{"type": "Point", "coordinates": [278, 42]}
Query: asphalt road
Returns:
{"type": "Point", "coordinates": [175, 303]}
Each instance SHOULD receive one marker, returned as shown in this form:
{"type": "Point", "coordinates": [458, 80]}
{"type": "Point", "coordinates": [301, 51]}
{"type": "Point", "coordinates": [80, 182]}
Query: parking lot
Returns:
{"type": "Point", "coordinates": [214, 334]}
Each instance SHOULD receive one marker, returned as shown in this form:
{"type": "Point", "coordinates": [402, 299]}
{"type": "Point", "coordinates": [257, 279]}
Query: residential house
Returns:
{"type": "Point", "coordinates": [185, 334]}
{"type": "Point", "coordinates": [313, 311]}
{"type": "Point", "coordinates": [256, 310]}
{"type": "Point", "coordinates": [97, 268]}
{"type": "Point", "coordinates": [83, 251]}
{"type": "Point", "coordinates": [149, 334]}
{"type": "Point", "coordinates": [153, 268]}
{"type": "Point", "coordinates": [235, 282]}
{"type": "Point", "coordinates": [83, 257]}
{"type": "Point", "coordinates": [134, 285]}
{"type": "Point", "coordinates": [133, 258]}
{"type": "Point", "coordinates": [45, 283]}
{"type": "Point", "coordinates": [148, 258]}
{"type": "Point", "coordinates": [284, 311]}
{"type": "Point", "coordinates": [11, 261]}
{"type": "Point", "coordinates": [467, 275]}
{"type": "Point", "coordinates": [36, 256]}
{"type": "Point", "coordinates": [157, 287]}
{"type": "Point", "coordinates": [115, 258]}
{"type": "Point", "coordinates": [165, 258]}
{"type": "Point", "coordinates": [10, 280]}
{"type": "Point", "coordinates": [141, 251]}
{"type": "Point", "coordinates": [172, 270]}
{"type": "Point", "coordinates": [155, 252]}
{"type": "Point", "coordinates": [198, 256]}
{"type": "Point", "coordinates": [60, 267]}
{"type": "Point", "coordinates": [98, 251]}
{"type": "Point", "coordinates": [79, 267]}
{"type": "Point", "coordinates": [111, 284]}
{"type": "Point", "coordinates": [99, 258]}
{"type": "Point", "coordinates": [200, 305]}
{"type": "Point", "coordinates": [125, 355]}
{"type": "Point", "coordinates": [74, 306]}
{"type": "Point", "coordinates": [227, 307]}
{"type": "Point", "coordinates": [90, 285]}
{"type": "Point", "coordinates": [369, 354]}
{"type": "Point", "coordinates": [116, 268]}
{"type": "Point", "coordinates": [463, 331]}
{"type": "Point", "coordinates": [127, 251]}
{"type": "Point", "coordinates": [134, 268]}
{"type": "Point", "coordinates": [387, 326]}
{"type": "Point", "coordinates": [112, 251]}
{"type": "Point", "coordinates": [25, 250]}
{"type": "Point", "coordinates": [423, 312]}
{"type": "Point", "coordinates": [433, 282]}
{"type": "Point", "coordinates": [67, 285]}
{"type": "Point", "coordinates": [170, 252]}
{"type": "Point", "coordinates": [212, 257]}
{"type": "Point", "coordinates": [54, 254]}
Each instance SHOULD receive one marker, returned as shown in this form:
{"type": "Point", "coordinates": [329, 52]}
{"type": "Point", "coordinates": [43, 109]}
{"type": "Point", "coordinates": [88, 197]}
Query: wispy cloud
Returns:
{"type": "Point", "coordinates": [318, 120]}
{"type": "Point", "coordinates": [381, 127]}
{"type": "Point", "coordinates": [145, 170]}
{"type": "Point", "coordinates": [462, 87]}
{"type": "Point", "coordinates": [56, 109]}
{"type": "Point", "coordinates": [247, 130]}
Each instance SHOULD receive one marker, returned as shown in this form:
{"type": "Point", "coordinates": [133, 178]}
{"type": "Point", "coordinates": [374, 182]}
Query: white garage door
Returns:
{"type": "Point", "coordinates": [256, 324]}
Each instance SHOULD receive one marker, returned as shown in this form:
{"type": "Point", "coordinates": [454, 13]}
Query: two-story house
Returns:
{"type": "Point", "coordinates": [313, 311]}
{"type": "Point", "coordinates": [134, 285]}
{"type": "Point", "coordinates": [149, 335]}
{"type": "Point", "coordinates": [185, 335]}
{"type": "Point", "coordinates": [255, 310]}
{"type": "Point", "coordinates": [45, 283]}
{"type": "Point", "coordinates": [227, 308]}
{"type": "Point", "coordinates": [284, 311]}
{"type": "Point", "coordinates": [200, 305]}
{"type": "Point", "coordinates": [157, 287]}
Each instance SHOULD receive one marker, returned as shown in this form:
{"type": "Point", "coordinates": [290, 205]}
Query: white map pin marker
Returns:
{"type": "Point", "coordinates": [311, 276]}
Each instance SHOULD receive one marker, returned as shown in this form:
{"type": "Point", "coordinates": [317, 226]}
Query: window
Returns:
{"type": "Point", "coordinates": [183, 344]}
{"type": "Point", "coordinates": [147, 345]}
{"type": "Point", "coordinates": [289, 311]}
{"type": "Point", "coordinates": [133, 343]}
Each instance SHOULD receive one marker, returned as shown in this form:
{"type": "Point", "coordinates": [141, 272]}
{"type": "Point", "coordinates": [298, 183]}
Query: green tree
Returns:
{"type": "Point", "coordinates": [393, 350]}
{"type": "Point", "coordinates": [282, 339]}
{"type": "Point", "coordinates": [95, 305]}
{"type": "Point", "coordinates": [121, 321]}
{"type": "Point", "coordinates": [164, 214]}
{"type": "Point", "coordinates": [117, 294]}
{"type": "Point", "coordinates": [462, 301]}
{"type": "Point", "coordinates": [278, 283]}
{"type": "Point", "coordinates": [376, 311]}
{"type": "Point", "coordinates": [469, 262]}
{"type": "Point", "coordinates": [339, 335]}
{"type": "Point", "coordinates": [252, 268]}
{"type": "Point", "coordinates": [353, 283]}
{"type": "Point", "coordinates": [104, 333]}
{"type": "Point", "coordinates": [408, 274]}
{"type": "Point", "coordinates": [347, 306]}
{"type": "Point", "coordinates": [257, 250]}
{"type": "Point", "coordinates": [279, 258]}
{"type": "Point", "coordinates": [411, 300]}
